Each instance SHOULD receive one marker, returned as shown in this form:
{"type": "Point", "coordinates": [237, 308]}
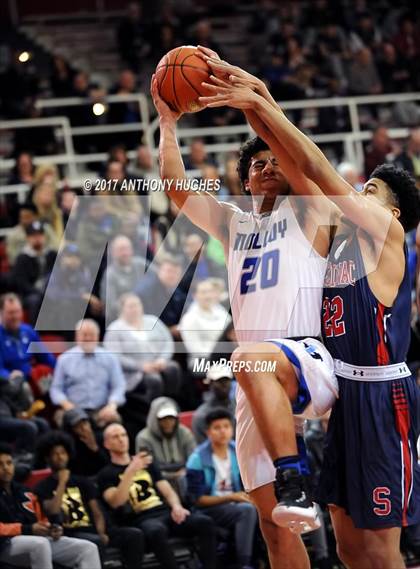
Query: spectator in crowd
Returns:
{"type": "Point", "coordinates": [197, 157]}
{"type": "Point", "coordinates": [68, 295]}
{"type": "Point", "coordinates": [119, 198]}
{"type": "Point", "coordinates": [394, 75]}
{"type": "Point", "coordinates": [365, 34]}
{"type": "Point", "coordinates": [197, 265]}
{"type": "Point", "coordinates": [89, 377]}
{"type": "Point", "coordinates": [32, 268]}
{"type": "Point", "coordinates": [70, 210]}
{"type": "Point", "coordinates": [144, 347]}
{"type": "Point", "coordinates": [160, 294]}
{"type": "Point", "coordinates": [377, 151]}
{"type": "Point", "coordinates": [133, 37]}
{"type": "Point", "coordinates": [351, 174]}
{"type": "Point", "coordinates": [45, 198]}
{"type": "Point", "coordinates": [97, 226]}
{"type": "Point", "coordinates": [214, 483]}
{"type": "Point", "coordinates": [363, 77]}
{"type": "Point", "coordinates": [139, 497]}
{"type": "Point", "coordinates": [409, 159]}
{"type": "Point", "coordinates": [219, 378]}
{"type": "Point", "coordinates": [125, 112]}
{"type": "Point", "coordinates": [15, 339]}
{"type": "Point", "coordinates": [22, 173]}
{"type": "Point", "coordinates": [231, 178]}
{"type": "Point", "coordinates": [70, 500]}
{"type": "Point", "coordinates": [16, 237]}
{"type": "Point", "coordinates": [202, 323]}
{"type": "Point", "coordinates": [171, 442]}
{"type": "Point", "coordinates": [122, 275]}
{"type": "Point", "coordinates": [61, 78]}
{"type": "Point", "coordinates": [26, 536]}
{"type": "Point", "coordinates": [203, 35]}
{"type": "Point", "coordinates": [89, 455]}
{"type": "Point", "coordinates": [144, 168]}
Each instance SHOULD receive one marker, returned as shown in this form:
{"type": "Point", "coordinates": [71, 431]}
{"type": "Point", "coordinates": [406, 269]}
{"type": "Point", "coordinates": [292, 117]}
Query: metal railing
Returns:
{"type": "Point", "coordinates": [352, 140]}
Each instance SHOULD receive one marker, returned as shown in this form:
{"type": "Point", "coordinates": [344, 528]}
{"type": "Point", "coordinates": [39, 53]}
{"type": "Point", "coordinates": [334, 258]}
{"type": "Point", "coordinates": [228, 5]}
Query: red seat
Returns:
{"type": "Point", "coordinates": [185, 418]}
{"type": "Point", "coordinates": [37, 476]}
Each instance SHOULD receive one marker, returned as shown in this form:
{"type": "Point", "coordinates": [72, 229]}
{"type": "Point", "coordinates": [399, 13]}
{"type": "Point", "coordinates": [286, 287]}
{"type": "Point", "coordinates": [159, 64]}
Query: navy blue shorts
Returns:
{"type": "Point", "coordinates": [370, 456]}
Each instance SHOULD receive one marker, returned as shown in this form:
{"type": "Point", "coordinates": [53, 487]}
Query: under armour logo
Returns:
{"type": "Point", "coordinates": [401, 369]}
{"type": "Point", "coordinates": [361, 373]}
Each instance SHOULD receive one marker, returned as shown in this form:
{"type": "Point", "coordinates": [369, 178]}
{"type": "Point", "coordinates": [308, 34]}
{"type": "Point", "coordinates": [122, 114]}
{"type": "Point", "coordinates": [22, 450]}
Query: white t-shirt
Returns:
{"type": "Point", "coordinates": [223, 475]}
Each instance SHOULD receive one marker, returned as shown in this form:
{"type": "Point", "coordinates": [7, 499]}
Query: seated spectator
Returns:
{"type": "Point", "coordinates": [351, 174]}
{"type": "Point", "coordinates": [363, 77]}
{"type": "Point", "coordinates": [160, 293]}
{"type": "Point", "coordinates": [118, 197]}
{"type": "Point", "coordinates": [15, 339]}
{"type": "Point", "coordinates": [69, 293]}
{"type": "Point", "coordinates": [89, 455]}
{"type": "Point", "coordinates": [95, 229]}
{"type": "Point", "coordinates": [219, 378]}
{"type": "Point", "coordinates": [170, 442]}
{"type": "Point", "coordinates": [197, 264]}
{"type": "Point", "coordinates": [144, 347]}
{"type": "Point", "coordinates": [16, 237]}
{"type": "Point", "coordinates": [202, 323]}
{"type": "Point", "coordinates": [70, 210]}
{"type": "Point", "coordinates": [45, 199]}
{"type": "Point", "coordinates": [197, 157]}
{"type": "Point", "coordinates": [61, 77]}
{"type": "Point", "coordinates": [32, 269]}
{"type": "Point", "coordinates": [89, 377]}
{"type": "Point", "coordinates": [409, 159]}
{"type": "Point", "coordinates": [214, 483]}
{"type": "Point", "coordinates": [26, 536]}
{"type": "Point", "coordinates": [71, 500]}
{"type": "Point", "coordinates": [22, 173]}
{"type": "Point", "coordinates": [144, 168]}
{"type": "Point", "coordinates": [378, 149]}
{"type": "Point", "coordinates": [125, 112]}
{"type": "Point", "coordinates": [122, 275]}
{"type": "Point", "coordinates": [231, 178]}
{"type": "Point", "coordinates": [138, 496]}
{"type": "Point", "coordinates": [133, 36]}
{"type": "Point", "coordinates": [393, 72]}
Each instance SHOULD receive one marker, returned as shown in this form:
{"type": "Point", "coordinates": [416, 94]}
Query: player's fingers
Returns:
{"type": "Point", "coordinates": [206, 52]}
{"type": "Point", "coordinates": [219, 81]}
{"type": "Point", "coordinates": [215, 88]}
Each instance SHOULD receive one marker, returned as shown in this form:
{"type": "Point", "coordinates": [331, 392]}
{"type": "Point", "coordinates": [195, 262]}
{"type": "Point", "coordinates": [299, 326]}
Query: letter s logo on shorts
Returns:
{"type": "Point", "coordinates": [384, 504]}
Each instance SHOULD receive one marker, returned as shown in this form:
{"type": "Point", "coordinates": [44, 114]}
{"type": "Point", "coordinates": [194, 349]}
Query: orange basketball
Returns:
{"type": "Point", "coordinates": [179, 76]}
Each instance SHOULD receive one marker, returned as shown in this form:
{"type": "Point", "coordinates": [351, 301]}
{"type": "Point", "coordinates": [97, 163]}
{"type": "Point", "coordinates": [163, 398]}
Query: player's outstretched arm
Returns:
{"type": "Point", "coordinates": [222, 71]}
{"type": "Point", "coordinates": [309, 159]}
{"type": "Point", "coordinates": [200, 207]}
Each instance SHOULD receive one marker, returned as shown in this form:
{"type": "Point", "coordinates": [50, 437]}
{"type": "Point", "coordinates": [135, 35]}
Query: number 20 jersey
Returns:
{"type": "Point", "coordinates": [275, 276]}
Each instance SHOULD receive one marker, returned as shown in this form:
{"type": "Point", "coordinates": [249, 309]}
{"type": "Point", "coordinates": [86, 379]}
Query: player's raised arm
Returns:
{"type": "Point", "coordinates": [201, 208]}
{"type": "Point", "coordinates": [309, 159]}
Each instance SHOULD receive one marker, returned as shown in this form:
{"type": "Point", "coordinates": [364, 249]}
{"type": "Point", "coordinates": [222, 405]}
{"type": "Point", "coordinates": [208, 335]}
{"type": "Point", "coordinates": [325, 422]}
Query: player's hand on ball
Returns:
{"type": "Point", "coordinates": [226, 94]}
{"type": "Point", "coordinates": [164, 112]}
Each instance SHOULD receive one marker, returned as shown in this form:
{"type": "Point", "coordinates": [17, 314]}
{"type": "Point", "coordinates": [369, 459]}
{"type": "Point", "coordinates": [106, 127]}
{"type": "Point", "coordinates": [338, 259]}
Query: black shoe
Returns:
{"type": "Point", "coordinates": [294, 509]}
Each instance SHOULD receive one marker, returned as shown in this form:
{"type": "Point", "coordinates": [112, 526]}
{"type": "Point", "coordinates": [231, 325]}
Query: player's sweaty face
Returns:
{"type": "Point", "coordinates": [265, 176]}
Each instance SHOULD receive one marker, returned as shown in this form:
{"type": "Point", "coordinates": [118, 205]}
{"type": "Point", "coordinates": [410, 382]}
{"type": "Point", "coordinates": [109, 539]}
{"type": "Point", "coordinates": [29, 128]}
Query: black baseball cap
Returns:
{"type": "Point", "coordinates": [34, 228]}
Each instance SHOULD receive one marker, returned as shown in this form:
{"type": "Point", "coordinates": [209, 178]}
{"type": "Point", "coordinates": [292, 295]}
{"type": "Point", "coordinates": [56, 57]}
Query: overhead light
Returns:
{"type": "Point", "coordinates": [24, 56]}
{"type": "Point", "coordinates": [98, 109]}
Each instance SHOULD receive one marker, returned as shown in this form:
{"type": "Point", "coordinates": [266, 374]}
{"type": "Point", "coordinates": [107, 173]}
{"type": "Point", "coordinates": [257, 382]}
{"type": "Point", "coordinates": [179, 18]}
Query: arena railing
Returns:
{"type": "Point", "coordinates": [352, 140]}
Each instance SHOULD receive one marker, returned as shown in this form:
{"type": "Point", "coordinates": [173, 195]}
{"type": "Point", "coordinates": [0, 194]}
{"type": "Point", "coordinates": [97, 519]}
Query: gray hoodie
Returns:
{"type": "Point", "coordinates": [171, 453]}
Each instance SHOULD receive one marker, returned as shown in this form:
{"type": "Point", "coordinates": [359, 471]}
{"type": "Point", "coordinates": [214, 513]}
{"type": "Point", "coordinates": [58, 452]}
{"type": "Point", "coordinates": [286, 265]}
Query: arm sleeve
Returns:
{"type": "Point", "coordinates": [196, 485]}
{"type": "Point", "coordinates": [44, 356]}
{"type": "Point", "coordinates": [57, 393]}
{"type": "Point", "coordinates": [118, 385]}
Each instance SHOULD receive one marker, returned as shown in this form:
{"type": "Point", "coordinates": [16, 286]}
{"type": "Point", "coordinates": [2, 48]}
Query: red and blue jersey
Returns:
{"type": "Point", "coordinates": [358, 329]}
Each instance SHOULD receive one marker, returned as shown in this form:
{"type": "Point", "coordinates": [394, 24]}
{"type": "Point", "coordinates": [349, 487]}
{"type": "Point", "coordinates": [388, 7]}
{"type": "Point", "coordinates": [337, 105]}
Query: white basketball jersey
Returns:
{"type": "Point", "coordinates": [275, 276]}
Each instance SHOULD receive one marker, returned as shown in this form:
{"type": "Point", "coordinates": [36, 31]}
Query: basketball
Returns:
{"type": "Point", "coordinates": [179, 76]}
